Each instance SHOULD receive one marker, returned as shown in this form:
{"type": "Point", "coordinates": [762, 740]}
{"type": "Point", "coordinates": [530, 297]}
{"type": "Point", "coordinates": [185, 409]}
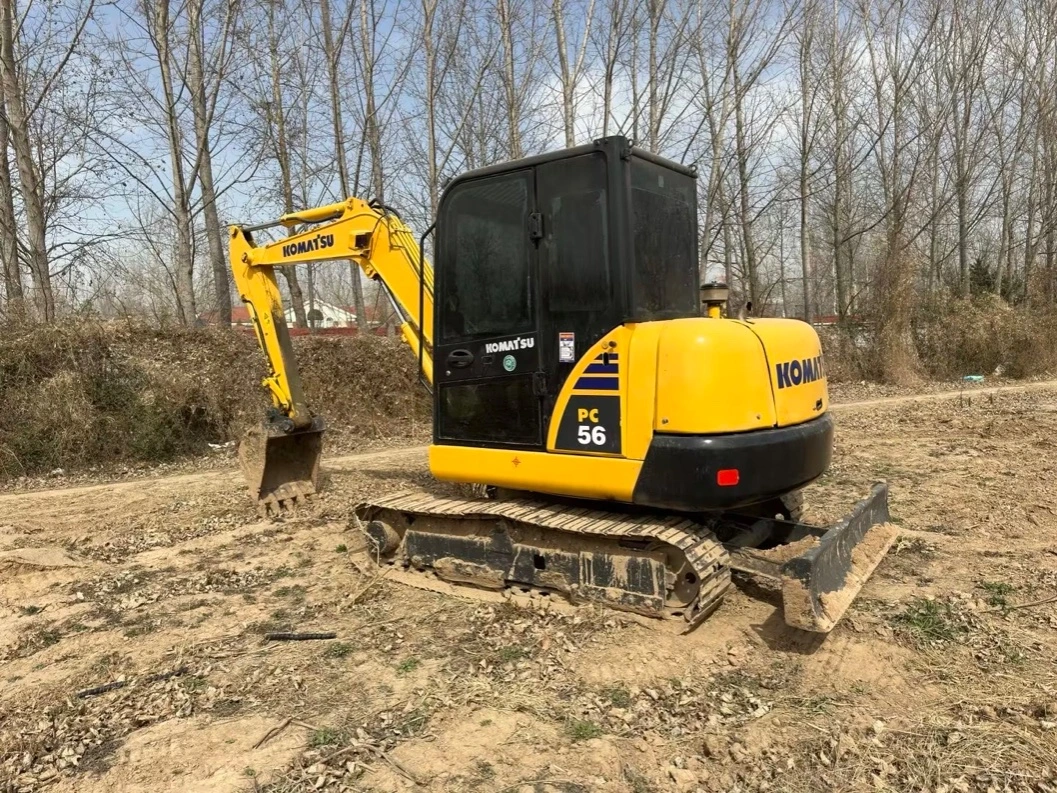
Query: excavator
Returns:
{"type": "Point", "coordinates": [631, 441]}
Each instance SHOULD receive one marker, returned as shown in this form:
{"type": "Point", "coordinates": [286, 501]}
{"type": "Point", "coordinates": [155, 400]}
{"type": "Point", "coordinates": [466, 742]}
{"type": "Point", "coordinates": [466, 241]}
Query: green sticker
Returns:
{"type": "Point", "coordinates": [509, 362]}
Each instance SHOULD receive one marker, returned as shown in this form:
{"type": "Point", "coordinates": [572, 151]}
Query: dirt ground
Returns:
{"type": "Point", "coordinates": [941, 678]}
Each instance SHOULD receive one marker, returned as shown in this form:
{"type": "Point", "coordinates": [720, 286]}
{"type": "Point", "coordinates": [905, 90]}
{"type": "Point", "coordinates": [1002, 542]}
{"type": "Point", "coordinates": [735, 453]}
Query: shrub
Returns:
{"type": "Point", "coordinates": [87, 393]}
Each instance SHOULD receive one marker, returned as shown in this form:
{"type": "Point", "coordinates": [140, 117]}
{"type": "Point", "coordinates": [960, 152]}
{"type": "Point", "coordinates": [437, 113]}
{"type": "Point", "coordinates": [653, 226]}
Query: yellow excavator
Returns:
{"type": "Point", "coordinates": [635, 443]}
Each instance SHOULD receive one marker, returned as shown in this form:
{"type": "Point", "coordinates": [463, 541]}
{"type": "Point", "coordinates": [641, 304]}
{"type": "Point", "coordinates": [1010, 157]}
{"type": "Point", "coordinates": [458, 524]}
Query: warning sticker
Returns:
{"type": "Point", "coordinates": [566, 347]}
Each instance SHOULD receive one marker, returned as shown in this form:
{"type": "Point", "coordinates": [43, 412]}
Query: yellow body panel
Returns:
{"type": "Point", "coordinates": [796, 367]}
{"type": "Point", "coordinates": [695, 376]}
{"type": "Point", "coordinates": [580, 476]}
{"type": "Point", "coordinates": [711, 378]}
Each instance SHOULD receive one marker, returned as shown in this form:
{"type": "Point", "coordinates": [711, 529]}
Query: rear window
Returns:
{"type": "Point", "coordinates": [664, 270]}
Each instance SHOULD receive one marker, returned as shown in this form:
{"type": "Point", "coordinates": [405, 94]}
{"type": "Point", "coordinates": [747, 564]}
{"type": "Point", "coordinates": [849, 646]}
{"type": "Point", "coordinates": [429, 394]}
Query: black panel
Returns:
{"type": "Point", "coordinates": [567, 245]}
{"type": "Point", "coordinates": [590, 424]}
{"type": "Point", "coordinates": [580, 256]}
{"type": "Point", "coordinates": [679, 471]}
{"type": "Point", "coordinates": [501, 411]}
{"type": "Point", "coordinates": [664, 222]}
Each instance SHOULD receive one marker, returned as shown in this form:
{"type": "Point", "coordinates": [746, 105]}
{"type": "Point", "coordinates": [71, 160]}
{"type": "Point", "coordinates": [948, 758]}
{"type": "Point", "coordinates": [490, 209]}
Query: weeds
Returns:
{"type": "Point", "coordinates": [338, 650]}
{"type": "Point", "coordinates": [325, 736]}
{"type": "Point", "coordinates": [82, 393]}
{"type": "Point", "coordinates": [582, 730]}
{"type": "Point", "coordinates": [638, 783]}
{"type": "Point", "coordinates": [343, 548]}
{"type": "Point", "coordinates": [408, 665]}
{"type": "Point", "coordinates": [928, 621]}
{"type": "Point", "coordinates": [295, 592]}
{"type": "Point", "coordinates": [619, 696]}
{"type": "Point", "coordinates": [996, 593]}
{"type": "Point", "coordinates": [512, 653]}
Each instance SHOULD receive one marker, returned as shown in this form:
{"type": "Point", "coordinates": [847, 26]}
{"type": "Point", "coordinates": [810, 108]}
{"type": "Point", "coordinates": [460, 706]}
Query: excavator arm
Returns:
{"type": "Point", "coordinates": [280, 459]}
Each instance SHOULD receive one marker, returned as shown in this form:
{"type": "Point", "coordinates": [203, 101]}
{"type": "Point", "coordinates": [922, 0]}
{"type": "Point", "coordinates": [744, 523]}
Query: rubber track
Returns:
{"type": "Point", "coordinates": [702, 550]}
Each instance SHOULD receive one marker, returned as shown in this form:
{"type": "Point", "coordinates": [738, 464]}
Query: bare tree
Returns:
{"type": "Point", "coordinates": [20, 105]}
{"type": "Point", "coordinates": [570, 70]}
{"type": "Point", "coordinates": [203, 103]}
{"type": "Point", "coordinates": [332, 49]}
{"type": "Point", "coordinates": [14, 293]}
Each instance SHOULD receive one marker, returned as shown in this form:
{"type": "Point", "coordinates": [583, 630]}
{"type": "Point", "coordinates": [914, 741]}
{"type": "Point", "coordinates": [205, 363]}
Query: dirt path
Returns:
{"type": "Point", "coordinates": [941, 677]}
{"type": "Point", "coordinates": [230, 475]}
{"type": "Point", "coordinates": [970, 392]}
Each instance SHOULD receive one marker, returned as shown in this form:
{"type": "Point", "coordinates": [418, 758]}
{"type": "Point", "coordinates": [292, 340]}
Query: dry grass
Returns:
{"type": "Point", "coordinates": [983, 335]}
{"type": "Point", "coordinates": [88, 394]}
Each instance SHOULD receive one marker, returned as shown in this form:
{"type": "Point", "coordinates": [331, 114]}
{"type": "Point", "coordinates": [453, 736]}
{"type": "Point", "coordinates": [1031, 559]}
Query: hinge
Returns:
{"type": "Point", "coordinates": [539, 384]}
{"type": "Point", "coordinates": [535, 226]}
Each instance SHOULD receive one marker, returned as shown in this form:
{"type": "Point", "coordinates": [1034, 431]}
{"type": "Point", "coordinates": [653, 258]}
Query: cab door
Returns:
{"type": "Point", "coordinates": [487, 352]}
{"type": "Point", "coordinates": [580, 284]}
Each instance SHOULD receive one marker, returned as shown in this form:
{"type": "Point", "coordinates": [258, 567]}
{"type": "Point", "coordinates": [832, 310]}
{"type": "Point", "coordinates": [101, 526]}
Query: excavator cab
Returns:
{"type": "Point", "coordinates": [536, 262]}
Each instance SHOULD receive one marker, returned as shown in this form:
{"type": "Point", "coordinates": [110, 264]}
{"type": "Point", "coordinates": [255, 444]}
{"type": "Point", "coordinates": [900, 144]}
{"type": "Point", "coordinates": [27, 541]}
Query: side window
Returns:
{"type": "Point", "coordinates": [501, 410]}
{"type": "Point", "coordinates": [484, 259]}
{"type": "Point", "coordinates": [664, 275]}
{"type": "Point", "coordinates": [576, 235]}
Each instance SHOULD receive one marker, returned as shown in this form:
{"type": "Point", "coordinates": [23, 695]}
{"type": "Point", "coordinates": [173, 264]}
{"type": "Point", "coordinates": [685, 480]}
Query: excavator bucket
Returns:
{"type": "Point", "coordinates": [831, 564]}
{"type": "Point", "coordinates": [281, 468]}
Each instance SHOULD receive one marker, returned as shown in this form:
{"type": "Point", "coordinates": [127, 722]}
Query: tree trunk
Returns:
{"type": "Point", "coordinates": [29, 178]}
{"type": "Point", "coordinates": [282, 156]}
{"type": "Point", "coordinates": [13, 290]}
{"type": "Point", "coordinates": [804, 197]}
{"type": "Point", "coordinates": [656, 11]}
{"type": "Point", "coordinates": [214, 240]}
{"type": "Point", "coordinates": [372, 128]}
{"type": "Point", "coordinates": [181, 209]}
{"type": "Point", "coordinates": [745, 210]}
{"type": "Point", "coordinates": [429, 51]}
{"type": "Point", "coordinates": [513, 111]}
{"type": "Point", "coordinates": [334, 77]}
{"type": "Point", "coordinates": [557, 14]}
{"type": "Point", "coordinates": [1030, 242]}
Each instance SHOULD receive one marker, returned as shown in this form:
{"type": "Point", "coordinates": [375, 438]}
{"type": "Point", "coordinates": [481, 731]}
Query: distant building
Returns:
{"type": "Point", "coordinates": [324, 315]}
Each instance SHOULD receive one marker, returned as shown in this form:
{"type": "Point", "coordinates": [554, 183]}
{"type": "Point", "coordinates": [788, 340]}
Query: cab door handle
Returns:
{"type": "Point", "coordinates": [459, 359]}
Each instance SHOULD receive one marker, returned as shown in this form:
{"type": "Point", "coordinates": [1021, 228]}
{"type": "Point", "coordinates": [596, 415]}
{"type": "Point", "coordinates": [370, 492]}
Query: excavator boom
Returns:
{"type": "Point", "coordinates": [280, 458]}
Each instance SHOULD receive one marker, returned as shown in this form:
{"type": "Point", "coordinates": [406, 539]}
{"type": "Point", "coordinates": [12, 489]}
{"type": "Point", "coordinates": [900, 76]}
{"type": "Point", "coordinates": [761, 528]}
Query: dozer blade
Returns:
{"type": "Point", "coordinates": [820, 583]}
{"type": "Point", "coordinates": [280, 468]}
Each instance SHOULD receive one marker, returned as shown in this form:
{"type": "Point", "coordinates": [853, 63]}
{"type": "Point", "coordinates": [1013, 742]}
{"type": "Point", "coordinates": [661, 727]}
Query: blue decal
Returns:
{"type": "Point", "coordinates": [598, 383]}
{"type": "Point", "coordinates": [795, 372]}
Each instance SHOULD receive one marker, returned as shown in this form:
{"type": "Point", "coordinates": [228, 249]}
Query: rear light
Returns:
{"type": "Point", "coordinates": [727, 477]}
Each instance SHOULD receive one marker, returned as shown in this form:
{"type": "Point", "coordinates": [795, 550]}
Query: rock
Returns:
{"type": "Point", "coordinates": [684, 780]}
{"type": "Point", "coordinates": [714, 746]}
